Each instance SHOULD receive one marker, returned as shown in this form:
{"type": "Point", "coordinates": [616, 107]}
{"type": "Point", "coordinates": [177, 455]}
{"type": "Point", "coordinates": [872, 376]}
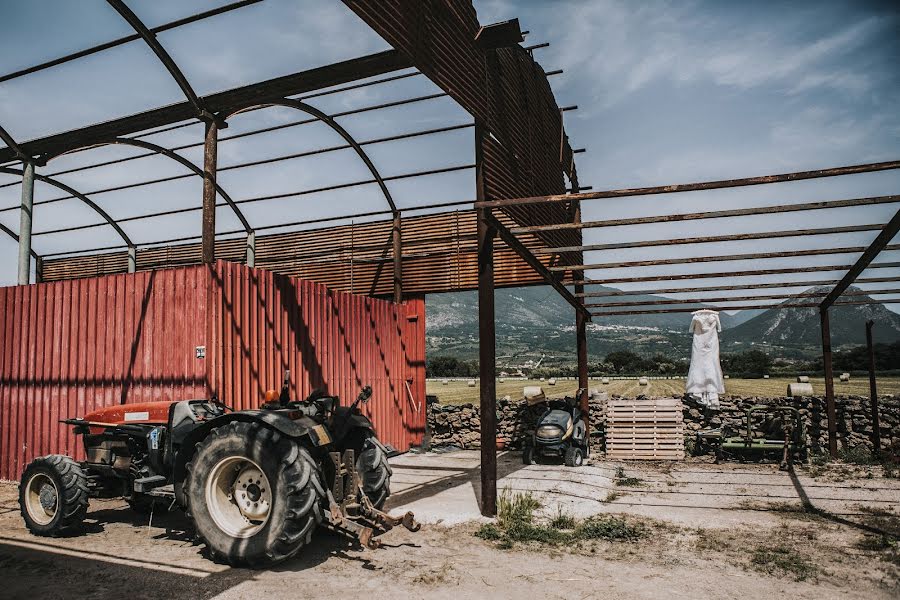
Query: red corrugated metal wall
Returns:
{"type": "Point", "coordinates": [268, 323]}
{"type": "Point", "coordinates": [72, 346]}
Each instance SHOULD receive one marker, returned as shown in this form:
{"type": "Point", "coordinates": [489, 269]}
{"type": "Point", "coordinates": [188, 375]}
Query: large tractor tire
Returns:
{"type": "Point", "coordinates": [254, 495]}
{"type": "Point", "coordinates": [374, 470]}
{"type": "Point", "coordinates": [53, 495]}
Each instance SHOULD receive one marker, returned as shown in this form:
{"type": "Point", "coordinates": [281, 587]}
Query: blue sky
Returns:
{"type": "Point", "coordinates": [668, 93]}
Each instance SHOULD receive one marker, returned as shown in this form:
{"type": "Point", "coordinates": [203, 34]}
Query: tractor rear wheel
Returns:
{"type": "Point", "coordinates": [53, 495]}
{"type": "Point", "coordinates": [374, 470]}
{"type": "Point", "coordinates": [254, 495]}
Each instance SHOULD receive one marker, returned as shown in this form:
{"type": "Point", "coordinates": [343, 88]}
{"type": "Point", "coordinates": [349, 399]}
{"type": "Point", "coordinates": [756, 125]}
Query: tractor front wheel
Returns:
{"type": "Point", "coordinates": [53, 495]}
{"type": "Point", "coordinates": [254, 495]}
{"type": "Point", "coordinates": [374, 470]}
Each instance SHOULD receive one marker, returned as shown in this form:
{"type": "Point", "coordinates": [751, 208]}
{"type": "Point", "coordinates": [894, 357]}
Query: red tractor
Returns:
{"type": "Point", "coordinates": [255, 483]}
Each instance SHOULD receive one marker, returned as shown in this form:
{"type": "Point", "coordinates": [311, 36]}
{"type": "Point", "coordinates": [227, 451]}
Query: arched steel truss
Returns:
{"type": "Point", "coordinates": [177, 158]}
{"type": "Point", "coordinates": [15, 237]}
{"type": "Point", "coordinates": [335, 126]}
{"type": "Point", "coordinates": [150, 39]}
{"type": "Point", "coordinates": [70, 190]}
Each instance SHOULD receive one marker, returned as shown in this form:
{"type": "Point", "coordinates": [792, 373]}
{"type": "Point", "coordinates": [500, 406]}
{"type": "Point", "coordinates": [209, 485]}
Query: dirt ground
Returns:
{"type": "Point", "coordinates": [713, 531]}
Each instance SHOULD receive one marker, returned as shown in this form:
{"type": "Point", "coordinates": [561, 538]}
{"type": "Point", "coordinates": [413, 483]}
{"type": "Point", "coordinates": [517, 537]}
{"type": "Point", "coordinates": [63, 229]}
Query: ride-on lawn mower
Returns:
{"type": "Point", "coordinates": [255, 483]}
{"type": "Point", "coordinates": [560, 432]}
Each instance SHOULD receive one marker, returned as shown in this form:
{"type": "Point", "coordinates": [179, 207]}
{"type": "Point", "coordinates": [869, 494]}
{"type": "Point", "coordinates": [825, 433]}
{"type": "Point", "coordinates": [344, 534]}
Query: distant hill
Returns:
{"type": "Point", "coordinates": [800, 326]}
{"type": "Point", "coordinates": [532, 321]}
{"type": "Point", "coordinates": [536, 321]}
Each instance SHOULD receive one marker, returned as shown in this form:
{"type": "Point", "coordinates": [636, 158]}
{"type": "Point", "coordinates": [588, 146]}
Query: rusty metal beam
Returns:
{"type": "Point", "coordinates": [750, 273]}
{"type": "Point", "coordinates": [659, 311]}
{"type": "Point", "coordinates": [487, 338]}
{"type": "Point", "coordinates": [397, 246]}
{"type": "Point", "coordinates": [733, 298]}
{"type": "Point", "coordinates": [723, 288]}
{"type": "Point", "coordinates": [222, 102]}
{"type": "Point", "coordinates": [718, 214]}
{"type": "Point", "coordinates": [880, 243]}
{"type": "Point", "coordinates": [873, 391]}
{"type": "Point", "coordinates": [693, 187]}
{"type": "Point", "coordinates": [825, 327]}
{"type": "Point", "coordinates": [723, 258]}
{"type": "Point", "coordinates": [763, 235]}
{"type": "Point", "coordinates": [526, 255]}
{"type": "Point", "coordinates": [208, 243]}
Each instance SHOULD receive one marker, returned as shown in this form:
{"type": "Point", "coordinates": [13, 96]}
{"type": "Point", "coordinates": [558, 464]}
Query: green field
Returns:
{"type": "Point", "coordinates": [458, 392]}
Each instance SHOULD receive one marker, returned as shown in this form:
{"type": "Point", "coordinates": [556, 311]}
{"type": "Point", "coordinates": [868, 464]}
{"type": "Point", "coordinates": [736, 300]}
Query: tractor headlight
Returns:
{"type": "Point", "coordinates": [548, 432]}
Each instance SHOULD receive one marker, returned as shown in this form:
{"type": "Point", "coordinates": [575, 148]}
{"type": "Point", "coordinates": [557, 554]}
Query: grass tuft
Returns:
{"type": "Point", "coordinates": [562, 520]}
{"type": "Point", "coordinates": [623, 480]}
{"type": "Point", "coordinates": [516, 524]}
{"type": "Point", "coordinates": [781, 560]}
{"type": "Point", "coordinates": [609, 527]}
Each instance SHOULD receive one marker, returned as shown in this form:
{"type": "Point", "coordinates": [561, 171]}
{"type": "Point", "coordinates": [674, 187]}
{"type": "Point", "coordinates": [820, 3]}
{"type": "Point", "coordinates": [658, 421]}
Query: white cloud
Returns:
{"type": "Point", "coordinates": [620, 47]}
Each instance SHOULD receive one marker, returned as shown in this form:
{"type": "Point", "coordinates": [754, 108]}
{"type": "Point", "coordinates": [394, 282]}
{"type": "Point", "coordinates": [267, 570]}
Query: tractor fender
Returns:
{"type": "Point", "coordinates": [302, 428]}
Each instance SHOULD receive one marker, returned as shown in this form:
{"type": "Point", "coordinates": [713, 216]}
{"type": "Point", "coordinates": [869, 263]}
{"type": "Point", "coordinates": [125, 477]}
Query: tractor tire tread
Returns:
{"type": "Point", "coordinates": [73, 497]}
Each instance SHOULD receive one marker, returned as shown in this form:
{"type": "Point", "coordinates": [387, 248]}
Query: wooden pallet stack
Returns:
{"type": "Point", "coordinates": [644, 429]}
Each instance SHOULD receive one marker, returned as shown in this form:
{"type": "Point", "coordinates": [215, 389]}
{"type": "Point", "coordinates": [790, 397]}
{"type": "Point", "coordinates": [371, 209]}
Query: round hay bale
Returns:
{"type": "Point", "coordinates": [726, 376]}
{"type": "Point", "coordinates": [471, 383]}
{"type": "Point", "coordinates": [551, 381]}
{"type": "Point", "coordinates": [605, 380]}
{"type": "Point", "coordinates": [534, 394]}
{"type": "Point", "coordinates": [803, 379]}
{"type": "Point", "coordinates": [765, 376]}
{"type": "Point", "coordinates": [643, 381]}
{"type": "Point", "coordinates": [445, 382]}
{"type": "Point", "coordinates": [796, 390]}
{"type": "Point", "coordinates": [542, 378]}
{"type": "Point", "coordinates": [845, 377]}
{"type": "Point", "coordinates": [501, 380]}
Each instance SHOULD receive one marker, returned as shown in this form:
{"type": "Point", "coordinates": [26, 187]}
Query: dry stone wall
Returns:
{"type": "Point", "coordinates": [459, 425]}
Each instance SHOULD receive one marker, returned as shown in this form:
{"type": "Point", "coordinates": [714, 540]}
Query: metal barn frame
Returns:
{"type": "Point", "coordinates": [526, 225]}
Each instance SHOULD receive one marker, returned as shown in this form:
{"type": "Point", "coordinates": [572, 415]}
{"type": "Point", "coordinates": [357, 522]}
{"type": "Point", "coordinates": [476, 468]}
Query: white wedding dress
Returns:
{"type": "Point", "coordinates": [705, 375]}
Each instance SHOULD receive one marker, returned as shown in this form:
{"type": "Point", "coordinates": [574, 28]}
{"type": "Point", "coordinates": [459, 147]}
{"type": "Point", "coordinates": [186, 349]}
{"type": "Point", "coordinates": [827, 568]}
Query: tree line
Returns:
{"type": "Point", "coordinates": [746, 364]}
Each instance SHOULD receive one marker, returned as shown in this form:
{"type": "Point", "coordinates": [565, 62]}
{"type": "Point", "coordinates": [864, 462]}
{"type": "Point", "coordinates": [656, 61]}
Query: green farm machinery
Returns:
{"type": "Point", "coordinates": [778, 434]}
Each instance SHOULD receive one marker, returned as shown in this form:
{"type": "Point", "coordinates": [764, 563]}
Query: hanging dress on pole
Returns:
{"type": "Point", "coordinates": [705, 375]}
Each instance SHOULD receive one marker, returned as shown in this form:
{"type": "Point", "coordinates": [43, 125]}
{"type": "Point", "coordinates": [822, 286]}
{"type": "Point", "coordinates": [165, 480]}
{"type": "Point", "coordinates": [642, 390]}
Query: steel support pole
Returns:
{"type": "Point", "coordinates": [487, 337]}
{"type": "Point", "coordinates": [132, 259]}
{"type": "Point", "coordinates": [25, 219]}
{"type": "Point", "coordinates": [873, 391]}
{"type": "Point", "coordinates": [581, 329]}
{"type": "Point", "coordinates": [38, 269]}
{"type": "Point", "coordinates": [251, 249]}
{"type": "Point", "coordinates": [209, 192]}
{"type": "Point", "coordinates": [829, 382]}
{"type": "Point", "coordinates": [397, 242]}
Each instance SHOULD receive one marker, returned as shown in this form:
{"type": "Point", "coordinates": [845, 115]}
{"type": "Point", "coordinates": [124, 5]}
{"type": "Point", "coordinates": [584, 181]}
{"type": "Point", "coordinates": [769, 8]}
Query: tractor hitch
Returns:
{"type": "Point", "coordinates": [350, 510]}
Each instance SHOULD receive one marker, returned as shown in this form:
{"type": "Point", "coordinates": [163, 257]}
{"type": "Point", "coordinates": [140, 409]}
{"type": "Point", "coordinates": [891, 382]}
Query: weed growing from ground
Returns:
{"type": "Point", "coordinates": [516, 524]}
{"type": "Point", "coordinates": [624, 481]}
{"type": "Point", "coordinates": [780, 560]}
{"type": "Point", "coordinates": [562, 520]}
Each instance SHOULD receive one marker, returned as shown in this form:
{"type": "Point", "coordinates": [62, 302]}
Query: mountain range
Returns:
{"type": "Point", "coordinates": [536, 321]}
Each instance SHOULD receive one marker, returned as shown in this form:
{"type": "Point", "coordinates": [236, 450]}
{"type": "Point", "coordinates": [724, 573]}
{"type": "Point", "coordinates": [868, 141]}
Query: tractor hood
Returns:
{"type": "Point", "coordinates": [137, 413]}
{"type": "Point", "coordinates": [560, 418]}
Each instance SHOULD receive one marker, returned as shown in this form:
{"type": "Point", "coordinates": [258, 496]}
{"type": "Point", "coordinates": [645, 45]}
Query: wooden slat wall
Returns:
{"type": "Point", "coordinates": [528, 150]}
{"type": "Point", "coordinates": [644, 429]}
{"type": "Point", "coordinates": [439, 255]}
